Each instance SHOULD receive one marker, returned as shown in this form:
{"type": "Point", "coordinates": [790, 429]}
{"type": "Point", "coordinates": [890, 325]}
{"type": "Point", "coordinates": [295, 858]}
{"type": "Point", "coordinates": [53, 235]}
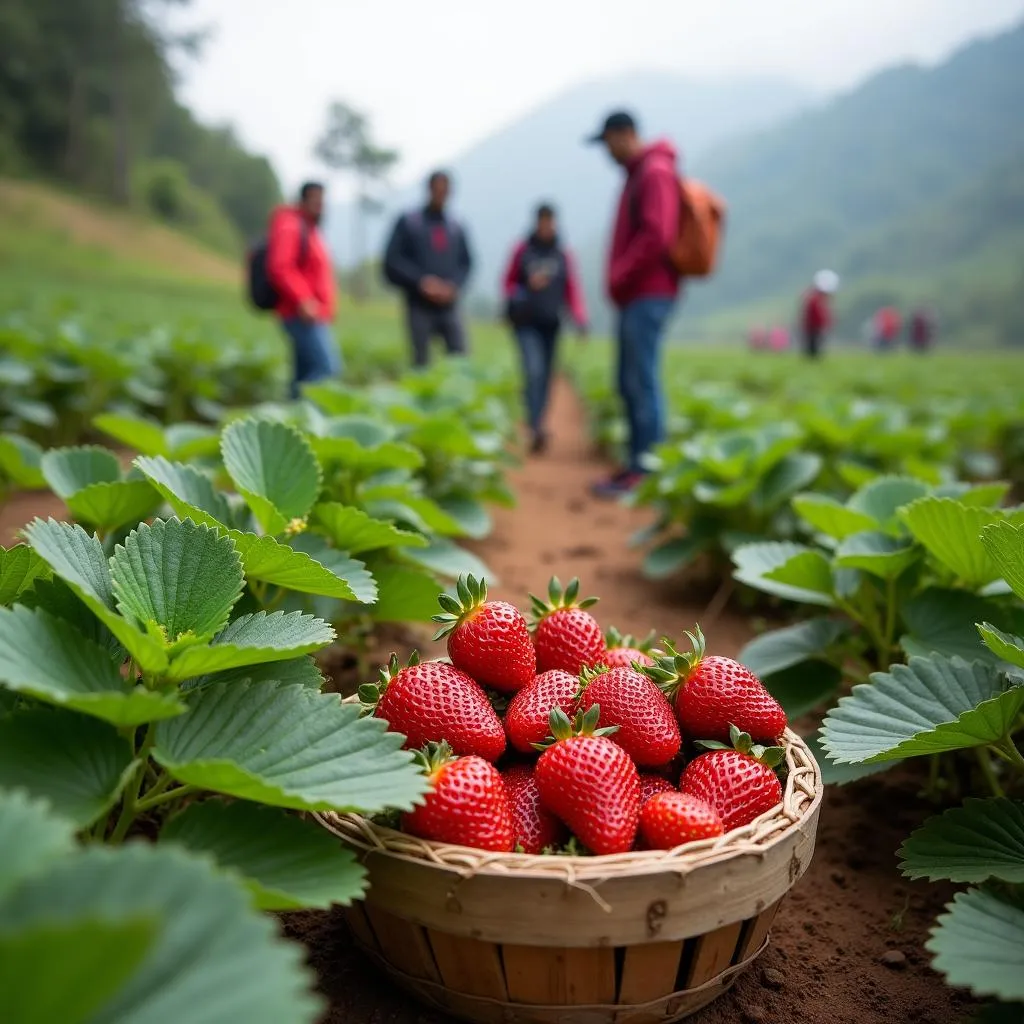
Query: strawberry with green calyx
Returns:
{"type": "Point", "coordinates": [488, 640]}
{"type": "Point", "coordinates": [669, 820]}
{"type": "Point", "coordinates": [432, 701]}
{"type": "Point", "coordinates": [535, 829]}
{"type": "Point", "coordinates": [467, 804]}
{"type": "Point", "coordinates": [711, 693]}
{"type": "Point", "coordinates": [648, 730]}
{"type": "Point", "coordinates": [624, 650]}
{"type": "Point", "coordinates": [528, 714]}
{"type": "Point", "coordinates": [565, 634]}
{"type": "Point", "coordinates": [738, 781]}
{"type": "Point", "coordinates": [589, 783]}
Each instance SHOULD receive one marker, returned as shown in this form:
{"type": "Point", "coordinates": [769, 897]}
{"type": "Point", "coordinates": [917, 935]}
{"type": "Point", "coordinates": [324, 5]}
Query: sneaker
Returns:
{"type": "Point", "coordinates": [618, 484]}
{"type": "Point", "coordinates": [539, 443]}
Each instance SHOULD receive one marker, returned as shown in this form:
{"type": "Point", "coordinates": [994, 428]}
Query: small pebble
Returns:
{"type": "Point", "coordinates": [751, 1014]}
{"type": "Point", "coordinates": [839, 878]}
{"type": "Point", "coordinates": [772, 978]}
{"type": "Point", "coordinates": [894, 958]}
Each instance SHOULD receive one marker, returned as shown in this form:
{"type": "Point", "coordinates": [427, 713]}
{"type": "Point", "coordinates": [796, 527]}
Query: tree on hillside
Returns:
{"type": "Point", "coordinates": [346, 146]}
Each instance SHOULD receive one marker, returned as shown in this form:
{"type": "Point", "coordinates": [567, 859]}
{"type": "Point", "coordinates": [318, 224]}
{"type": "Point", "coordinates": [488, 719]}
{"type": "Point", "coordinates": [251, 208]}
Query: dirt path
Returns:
{"type": "Point", "coordinates": [852, 907]}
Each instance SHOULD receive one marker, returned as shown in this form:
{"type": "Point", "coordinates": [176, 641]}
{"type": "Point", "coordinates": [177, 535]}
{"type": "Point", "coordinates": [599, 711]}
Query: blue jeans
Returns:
{"type": "Point", "coordinates": [641, 329]}
{"type": "Point", "coordinates": [315, 354]}
{"type": "Point", "coordinates": [537, 346]}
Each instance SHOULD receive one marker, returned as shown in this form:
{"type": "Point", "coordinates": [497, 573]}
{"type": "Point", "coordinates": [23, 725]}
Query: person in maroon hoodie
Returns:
{"type": "Point", "coordinates": [641, 283]}
{"type": "Point", "coordinates": [817, 312]}
{"type": "Point", "coordinates": [540, 281]}
{"type": "Point", "coordinates": [299, 268]}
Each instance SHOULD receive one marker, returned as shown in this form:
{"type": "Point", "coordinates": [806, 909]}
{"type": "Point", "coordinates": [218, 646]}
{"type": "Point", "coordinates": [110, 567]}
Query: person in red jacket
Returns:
{"type": "Point", "coordinates": [641, 283]}
{"type": "Point", "coordinates": [540, 280]}
{"type": "Point", "coordinates": [817, 312]}
{"type": "Point", "coordinates": [299, 268]}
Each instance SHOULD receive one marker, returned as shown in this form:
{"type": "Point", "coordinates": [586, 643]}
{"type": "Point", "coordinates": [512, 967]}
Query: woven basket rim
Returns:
{"type": "Point", "coordinates": [802, 795]}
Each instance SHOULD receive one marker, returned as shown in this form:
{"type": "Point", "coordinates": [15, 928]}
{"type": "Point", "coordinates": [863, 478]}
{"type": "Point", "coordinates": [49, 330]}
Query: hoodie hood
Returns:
{"type": "Point", "coordinates": [660, 152]}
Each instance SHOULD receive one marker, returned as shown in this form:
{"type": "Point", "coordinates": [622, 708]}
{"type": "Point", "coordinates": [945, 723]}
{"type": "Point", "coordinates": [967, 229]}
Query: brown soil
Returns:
{"type": "Point", "coordinates": [850, 908]}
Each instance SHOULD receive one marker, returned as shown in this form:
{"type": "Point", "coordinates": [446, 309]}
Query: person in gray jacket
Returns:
{"type": "Point", "coordinates": [428, 258]}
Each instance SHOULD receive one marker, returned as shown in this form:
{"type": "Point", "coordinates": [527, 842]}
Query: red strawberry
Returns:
{"type": "Point", "coordinates": [624, 650]}
{"type": "Point", "coordinates": [712, 693]}
{"type": "Point", "coordinates": [668, 820]}
{"type": "Point", "coordinates": [648, 730]}
{"type": "Point", "coordinates": [434, 701]}
{"type": "Point", "coordinates": [652, 784]}
{"type": "Point", "coordinates": [467, 806]}
{"type": "Point", "coordinates": [738, 781]}
{"type": "Point", "coordinates": [590, 783]}
{"type": "Point", "coordinates": [488, 640]}
{"type": "Point", "coordinates": [529, 711]}
{"type": "Point", "coordinates": [535, 829]}
{"type": "Point", "coordinates": [565, 635]}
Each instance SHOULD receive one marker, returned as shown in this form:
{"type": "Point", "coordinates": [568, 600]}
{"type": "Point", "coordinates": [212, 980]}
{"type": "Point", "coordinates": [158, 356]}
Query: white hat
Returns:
{"type": "Point", "coordinates": [826, 281]}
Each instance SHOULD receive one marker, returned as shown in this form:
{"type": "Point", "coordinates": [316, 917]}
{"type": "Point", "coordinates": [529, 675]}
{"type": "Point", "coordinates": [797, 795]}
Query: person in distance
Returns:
{"type": "Point", "coordinates": [641, 283]}
{"type": "Point", "coordinates": [428, 258]}
{"type": "Point", "coordinates": [540, 281]}
{"type": "Point", "coordinates": [817, 311]}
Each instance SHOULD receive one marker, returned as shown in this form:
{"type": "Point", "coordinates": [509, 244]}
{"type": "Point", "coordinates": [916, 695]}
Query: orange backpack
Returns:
{"type": "Point", "coordinates": [701, 223]}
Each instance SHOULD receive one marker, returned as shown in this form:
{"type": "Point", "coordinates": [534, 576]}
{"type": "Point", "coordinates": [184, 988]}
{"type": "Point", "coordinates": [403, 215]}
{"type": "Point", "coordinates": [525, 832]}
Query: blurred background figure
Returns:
{"type": "Point", "coordinates": [922, 330]}
{"type": "Point", "coordinates": [540, 282]}
{"type": "Point", "coordinates": [758, 338]}
{"type": "Point", "coordinates": [428, 258]}
{"type": "Point", "coordinates": [817, 311]}
{"type": "Point", "coordinates": [888, 324]}
{"type": "Point", "coordinates": [778, 339]}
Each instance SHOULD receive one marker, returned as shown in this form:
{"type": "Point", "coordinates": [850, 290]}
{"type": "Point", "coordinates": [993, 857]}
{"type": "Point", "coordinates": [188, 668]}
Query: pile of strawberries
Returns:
{"type": "Point", "coordinates": [548, 737]}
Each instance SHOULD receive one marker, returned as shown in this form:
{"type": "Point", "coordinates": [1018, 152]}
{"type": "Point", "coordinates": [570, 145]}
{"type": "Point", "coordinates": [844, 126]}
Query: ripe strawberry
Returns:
{"type": "Point", "coordinates": [738, 781]}
{"type": "Point", "coordinates": [712, 693]}
{"type": "Point", "coordinates": [648, 730]}
{"type": "Point", "coordinates": [565, 635]}
{"type": "Point", "coordinates": [624, 650]}
{"type": "Point", "coordinates": [488, 640]}
{"type": "Point", "coordinates": [467, 806]}
{"type": "Point", "coordinates": [534, 828]}
{"type": "Point", "coordinates": [590, 783]}
{"type": "Point", "coordinates": [433, 701]}
{"type": "Point", "coordinates": [529, 711]}
{"type": "Point", "coordinates": [652, 784]}
{"type": "Point", "coordinates": [668, 820]}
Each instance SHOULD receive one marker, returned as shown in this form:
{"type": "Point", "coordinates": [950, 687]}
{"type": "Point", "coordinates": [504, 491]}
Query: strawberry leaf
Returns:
{"type": "Point", "coordinates": [951, 531]}
{"type": "Point", "coordinates": [1004, 543]}
{"type": "Point", "coordinates": [69, 470]}
{"type": "Point", "coordinates": [189, 492]}
{"type": "Point", "coordinates": [20, 567]}
{"type": "Point", "coordinates": [1006, 646]}
{"type": "Point", "coordinates": [832, 518]}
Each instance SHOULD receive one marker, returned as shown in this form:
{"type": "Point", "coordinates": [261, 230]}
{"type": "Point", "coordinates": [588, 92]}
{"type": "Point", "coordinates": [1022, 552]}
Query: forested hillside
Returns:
{"type": "Point", "coordinates": [87, 98]}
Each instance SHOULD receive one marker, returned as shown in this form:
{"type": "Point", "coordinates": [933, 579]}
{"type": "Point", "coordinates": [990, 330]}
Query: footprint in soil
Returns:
{"type": "Point", "coordinates": [581, 551]}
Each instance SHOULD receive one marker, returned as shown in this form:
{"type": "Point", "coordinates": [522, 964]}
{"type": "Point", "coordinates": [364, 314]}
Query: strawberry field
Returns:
{"type": "Point", "coordinates": [197, 572]}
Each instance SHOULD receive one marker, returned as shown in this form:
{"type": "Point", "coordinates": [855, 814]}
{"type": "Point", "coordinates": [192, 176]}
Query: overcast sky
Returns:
{"type": "Point", "coordinates": [436, 75]}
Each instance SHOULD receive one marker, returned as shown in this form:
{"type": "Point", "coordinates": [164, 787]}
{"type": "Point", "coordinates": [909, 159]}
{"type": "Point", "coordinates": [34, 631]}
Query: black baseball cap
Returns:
{"type": "Point", "coordinates": [619, 121]}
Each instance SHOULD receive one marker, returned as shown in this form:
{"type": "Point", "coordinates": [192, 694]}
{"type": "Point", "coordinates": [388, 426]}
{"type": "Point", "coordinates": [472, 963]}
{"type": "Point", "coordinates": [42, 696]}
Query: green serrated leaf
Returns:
{"type": "Point", "coordinates": [406, 594]}
{"type": "Point", "coordinates": [66, 972]}
{"type": "Point", "coordinates": [791, 473]}
{"type": "Point", "coordinates": [352, 530]}
{"type": "Point", "coordinates": [179, 576]}
{"type": "Point", "coordinates": [449, 560]}
{"type": "Point", "coordinates": [41, 657]}
{"type": "Point", "coordinates": [69, 470]}
{"type": "Point", "coordinates": [470, 514]}
{"type": "Point", "coordinates": [32, 838]}
{"type": "Point", "coordinates": [673, 556]}
{"type": "Point", "coordinates": [360, 582]}
{"type": "Point", "coordinates": [929, 706]}
{"type": "Point", "coordinates": [942, 621]}
{"type": "Point", "coordinates": [209, 941]}
{"type": "Point", "coordinates": [273, 468]}
{"type": "Point", "coordinates": [286, 862]}
{"type": "Point", "coordinates": [833, 774]}
{"type": "Point", "coordinates": [289, 747]}
{"type": "Point", "coordinates": [109, 506]}
{"type": "Point", "coordinates": [809, 572]}
{"type": "Point", "coordinates": [272, 561]}
{"type": "Point", "coordinates": [981, 840]}
{"type": "Point", "coordinates": [831, 517]}
{"type": "Point", "coordinates": [79, 764]}
{"type": "Point", "coordinates": [251, 640]}
{"type": "Point", "coordinates": [978, 944]}
{"type": "Point", "coordinates": [951, 532]}
{"type": "Point", "coordinates": [190, 493]}
{"type": "Point", "coordinates": [781, 649]}
{"type": "Point", "coordinates": [20, 567]}
{"type": "Point", "coordinates": [882, 497]}
{"type": "Point", "coordinates": [19, 461]}
{"type": "Point", "coordinates": [1007, 646]}
{"type": "Point", "coordinates": [755, 564]}
{"type": "Point", "coordinates": [1004, 543]}
{"type": "Point", "coordinates": [879, 554]}
{"type": "Point", "coordinates": [143, 435]}
{"type": "Point", "coordinates": [803, 687]}
{"type": "Point", "coordinates": [303, 671]}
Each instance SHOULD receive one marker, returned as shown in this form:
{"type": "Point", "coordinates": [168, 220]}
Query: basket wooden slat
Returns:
{"type": "Point", "coordinates": [639, 938]}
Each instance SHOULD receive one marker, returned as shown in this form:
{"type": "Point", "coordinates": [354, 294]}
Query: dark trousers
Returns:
{"type": "Point", "coordinates": [641, 331]}
{"type": "Point", "coordinates": [315, 355]}
{"type": "Point", "coordinates": [537, 346]}
{"type": "Point", "coordinates": [425, 322]}
{"type": "Point", "coordinates": [812, 343]}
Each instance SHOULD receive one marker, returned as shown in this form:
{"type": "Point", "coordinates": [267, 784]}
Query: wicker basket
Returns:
{"type": "Point", "coordinates": [638, 938]}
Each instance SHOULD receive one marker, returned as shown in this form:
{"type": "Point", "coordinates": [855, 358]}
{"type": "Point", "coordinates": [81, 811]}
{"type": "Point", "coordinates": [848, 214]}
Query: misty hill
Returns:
{"type": "Point", "coordinates": [912, 187]}
{"type": "Point", "coordinates": [541, 156]}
